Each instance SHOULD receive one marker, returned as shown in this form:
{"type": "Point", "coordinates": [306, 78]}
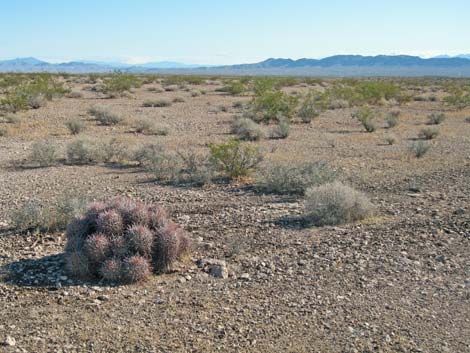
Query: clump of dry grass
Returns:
{"type": "Point", "coordinates": [335, 203]}
{"type": "Point", "coordinates": [156, 103]}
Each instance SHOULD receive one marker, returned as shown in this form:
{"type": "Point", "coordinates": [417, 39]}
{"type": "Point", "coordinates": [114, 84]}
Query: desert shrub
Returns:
{"type": "Point", "coordinates": [419, 148]}
{"type": "Point", "coordinates": [84, 152]}
{"type": "Point", "coordinates": [12, 119]}
{"type": "Point", "coordinates": [32, 93]}
{"type": "Point", "coordinates": [233, 88]}
{"type": "Point", "coordinates": [195, 94]}
{"type": "Point", "coordinates": [178, 100]}
{"type": "Point", "coordinates": [114, 151]}
{"type": "Point", "coordinates": [147, 126]}
{"type": "Point", "coordinates": [43, 154]}
{"type": "Point", "coordinates": [123, 241]}
{"type": "Point", "coordinates": [36, 218]}
{"type": "Point", "coordinates": [36, 102]}
{"type": "Point", "coordinates": [335, 203]}
{"type": "Point", "coordinates": [155, 89]}
{"type": "Point", "coordinates": [75, 126]}
{"type": "Point", "coordinates": [197, 168]}
{"type": "Point", "coordinates": [234, 159]}
{"type": "Point", "coordinates": [428, 133]}
{"type": "Point", "coordinates": [270, 105]}
{"type": "Point", "coordinates": [365, 116]}
{"type": "Point", "coordinates": [391, 120]}
{"type": "Point", "coordinates": [436, 118]}
{"type": "Point", "coordinates": [309, 108]}
{"type": "Point", "coordinates": [281, 130]}
{"type": "Point", "coordinates": [120, 83]}
{"type": "Point", "coordinates": [357, 93]}
{"type": "Point", "coordinates": [75, 95]}
{"type": "Point", "coordinates": [292, 179]}
{"type": "Point", "coordinates": [104, 116]}
{"type": "Point", "coordinates": [156, 103]}
{"type": "Point", "coordinates": [238, 104]}
{"type": "Point", "coordinates": [390, 139]}
{"type": "Point", "coordinates": [246, 129]}
{"type": "Point", "coordinates": [458, 97]}
{"type": "Point", "coordinates": [262, 85]}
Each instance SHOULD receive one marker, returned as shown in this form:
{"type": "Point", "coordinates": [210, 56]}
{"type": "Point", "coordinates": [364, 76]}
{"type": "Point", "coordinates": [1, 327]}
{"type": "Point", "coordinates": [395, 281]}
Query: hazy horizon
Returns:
{"type": "Point", "coordinates": [215, 33]}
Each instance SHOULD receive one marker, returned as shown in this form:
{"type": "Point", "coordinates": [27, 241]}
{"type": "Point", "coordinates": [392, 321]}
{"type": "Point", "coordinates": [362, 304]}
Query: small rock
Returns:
{"type": "Point", "coordinates": [9, 341]}
{"type": "Point", "coordinates": [245, 276]}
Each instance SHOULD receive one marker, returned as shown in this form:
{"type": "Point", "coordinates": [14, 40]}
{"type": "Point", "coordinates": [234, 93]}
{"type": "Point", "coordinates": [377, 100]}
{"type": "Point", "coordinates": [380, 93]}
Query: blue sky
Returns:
{"type": "Point", "coordinates": [229, 31]}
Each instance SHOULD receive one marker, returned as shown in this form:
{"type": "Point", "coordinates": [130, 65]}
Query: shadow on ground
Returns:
{"type": "Point", "coordinates": [47, 272]}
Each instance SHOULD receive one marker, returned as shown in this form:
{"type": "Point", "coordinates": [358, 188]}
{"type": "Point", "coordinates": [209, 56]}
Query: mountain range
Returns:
{"type": "Point", "coordinates": [338, 65]}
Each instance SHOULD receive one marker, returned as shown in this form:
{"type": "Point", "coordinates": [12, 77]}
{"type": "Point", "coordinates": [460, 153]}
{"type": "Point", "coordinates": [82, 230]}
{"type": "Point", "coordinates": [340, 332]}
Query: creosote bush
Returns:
{"type": "Point", "coordinates": [123, 241]}
{"type": "Point", "coordinates": [292, 179]}
{"type": "Point", "coordinates": [365, 116]}
{"type": "Point", "coordinates": [234, 159]}
{"type": "Point", "coordinates": [335, 203]}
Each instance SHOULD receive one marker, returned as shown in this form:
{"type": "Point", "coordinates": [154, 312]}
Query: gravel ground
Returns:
{"type": "Point", "coordinates": [257, 280]}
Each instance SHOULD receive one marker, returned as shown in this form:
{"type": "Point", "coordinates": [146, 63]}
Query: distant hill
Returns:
{"type": "Point", "coordinates": [338, 65]}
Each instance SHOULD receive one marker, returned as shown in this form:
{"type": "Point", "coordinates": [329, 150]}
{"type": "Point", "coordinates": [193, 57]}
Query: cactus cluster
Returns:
{"type": "Point", "coordinates": [123, 240]}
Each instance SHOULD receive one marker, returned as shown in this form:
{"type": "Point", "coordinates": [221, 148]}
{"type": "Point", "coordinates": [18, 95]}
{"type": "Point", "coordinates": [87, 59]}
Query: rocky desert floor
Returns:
{"type": "Point", "coordinates": [398, 282]}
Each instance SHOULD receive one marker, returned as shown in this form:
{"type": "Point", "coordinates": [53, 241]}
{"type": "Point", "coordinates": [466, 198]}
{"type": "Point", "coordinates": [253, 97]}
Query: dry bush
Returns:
{"type": "Point", "coordinates": [43, 154]}
{"type": "Point", "coordinates": [280, 130]}
{"type": "Point", "coordinates": [84, 151]}
{"type": "Point", "coordinates": [335, 203]}
{"type": "Point", "coordinates": [292, 179]}
{"type": "Point", "coordinates": [246, 129]}
{"type": "Point", "coordinates": [75, 126]}
{"type": "Point", "coordinates": [436, 118]}
{"type": "Point", "coordinates": [74, 94]}
{"type": "Point", "coordinates": [156, 103]}
{"type": "Point", "coordinates": [149, 127]}
{"type": "Point", "coordinates": [428, 133]}
{"type": "Point", "coordinates": [104, 116]}
{"type": "Point", "coordinates": [419, 148]}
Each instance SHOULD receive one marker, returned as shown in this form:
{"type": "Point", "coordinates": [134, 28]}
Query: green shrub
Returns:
{"type": "Point", "coordinates": [458, 97]}
{"type": "Point", "coordinates": [365, 116]}
{"type": "Point", "coordinates": [436, 118]}
{"type": "Point", "coordinates": [309, 108]}
{"type": "Point", "coordinates": [335, 203]}
{"type": "Point", "coordinates": [32, 93]}
{"type": "Point", "coordinates": [291, 179]}
{"type": "Point", "coordinates": [234, 159]}
{"type": "Point", "coordinates": [246, 129]}
{"type": "Point", "coordinates": [120, 82]}
{"type": "Point", "coordinates": [43, 154]}
{"type": "Point", "coordinates": [233, 88]}
{"type": "Point", "coordinates": [419, 148]}
{"type": "Point", "coordinates": [75, 126]}
{"type": "Point", "coordinates": [270, 105]}
{"type": "Point", "coordinates": [428, 133]}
